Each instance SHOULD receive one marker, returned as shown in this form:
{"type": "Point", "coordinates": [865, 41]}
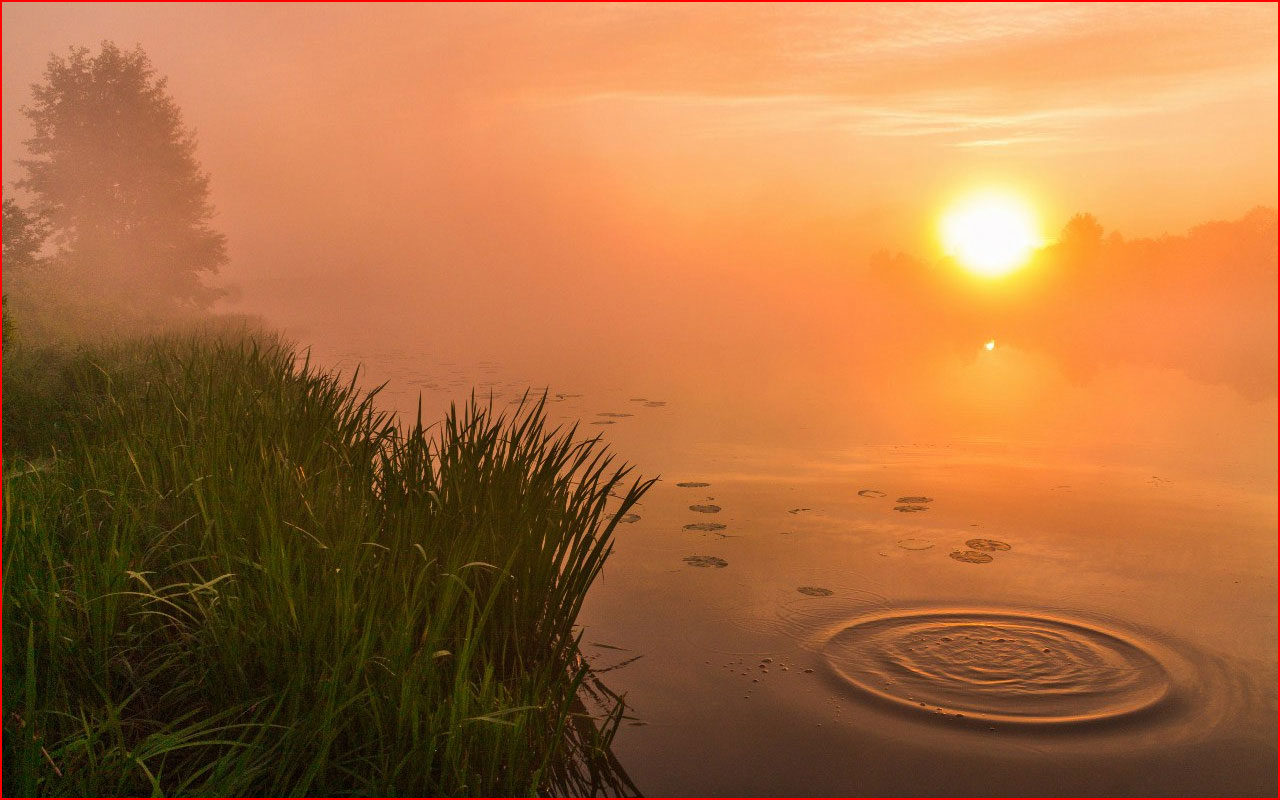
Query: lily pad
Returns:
{"type": "Point", "coordinates": [971, 556]}
{"type": "Point", "coordinates": [706, 561]}
{"type": "Point", "coordinates": [705, 526]}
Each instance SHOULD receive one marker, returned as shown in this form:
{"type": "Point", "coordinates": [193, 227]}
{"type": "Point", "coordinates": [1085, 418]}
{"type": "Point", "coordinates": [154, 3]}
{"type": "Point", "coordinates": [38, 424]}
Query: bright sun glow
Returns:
{"type": "Point", "coordinates": [991, 233]}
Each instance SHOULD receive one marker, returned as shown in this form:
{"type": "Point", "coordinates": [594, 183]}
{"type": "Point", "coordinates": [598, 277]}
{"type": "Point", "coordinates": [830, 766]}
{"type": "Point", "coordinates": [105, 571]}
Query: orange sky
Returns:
{"type": "Point", "coordinates": [464, 161]}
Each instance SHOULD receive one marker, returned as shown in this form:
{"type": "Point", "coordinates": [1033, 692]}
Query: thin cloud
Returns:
{"type": "Point", "coordinates": [1008, 142]}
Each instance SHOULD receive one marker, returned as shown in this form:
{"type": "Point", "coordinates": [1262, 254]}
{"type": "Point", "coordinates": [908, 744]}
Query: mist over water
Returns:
{"type": "Point", "coordinates": [1099, 484]}
{"type": "Point", "coordinates": [1121, 517]}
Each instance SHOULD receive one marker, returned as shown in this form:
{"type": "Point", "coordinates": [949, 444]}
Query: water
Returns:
{"type": "Point", "coordinates": [956, 576]}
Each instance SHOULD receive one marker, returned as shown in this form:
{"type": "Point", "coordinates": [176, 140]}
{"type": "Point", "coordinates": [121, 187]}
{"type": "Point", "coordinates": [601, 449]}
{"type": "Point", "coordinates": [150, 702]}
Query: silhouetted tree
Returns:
{"type": "Point", "coordinates": [24, 235]}
{"type": "Point", "coordinates": [113, 171]}
{"type": "Point", "coordinates": [1083, 233]}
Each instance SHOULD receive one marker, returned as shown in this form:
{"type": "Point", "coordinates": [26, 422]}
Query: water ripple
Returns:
{"type": "Point", "coordinates": [999, 667]}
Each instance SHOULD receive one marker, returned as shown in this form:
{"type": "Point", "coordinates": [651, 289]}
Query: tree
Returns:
{"type": "Point", "coordinates": [1082, 232]}
{"type": "Point", "coordinates": [114, 173]}
{"type": "Point", "coordinates": [24, 235]}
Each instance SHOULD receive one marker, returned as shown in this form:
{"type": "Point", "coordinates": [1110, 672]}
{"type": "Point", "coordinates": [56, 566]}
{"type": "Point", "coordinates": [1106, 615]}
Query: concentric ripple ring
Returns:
{"type": "Point", "coordinates": [999, 667]}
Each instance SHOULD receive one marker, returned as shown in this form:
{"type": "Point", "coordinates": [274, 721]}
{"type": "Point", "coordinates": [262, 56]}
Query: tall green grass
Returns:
{"type": "Point", "coordinates": [239, 577]}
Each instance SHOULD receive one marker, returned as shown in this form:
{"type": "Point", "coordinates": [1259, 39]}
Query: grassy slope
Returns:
{"type": "Point", "coordinates": [238, 577]}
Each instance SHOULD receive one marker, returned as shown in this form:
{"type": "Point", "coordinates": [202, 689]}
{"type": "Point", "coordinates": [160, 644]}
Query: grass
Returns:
{"type": "Point", "coordinates": [236, 576]}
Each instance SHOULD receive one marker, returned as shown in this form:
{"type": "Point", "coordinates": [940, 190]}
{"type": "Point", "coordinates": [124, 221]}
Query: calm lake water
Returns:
{"type": "Point", "coordinates": [968, 574]}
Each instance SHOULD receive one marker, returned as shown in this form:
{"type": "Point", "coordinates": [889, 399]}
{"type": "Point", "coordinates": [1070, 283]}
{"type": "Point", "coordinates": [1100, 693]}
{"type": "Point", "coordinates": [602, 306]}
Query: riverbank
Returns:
{"type": "Point", "coordinates": [233, 575]}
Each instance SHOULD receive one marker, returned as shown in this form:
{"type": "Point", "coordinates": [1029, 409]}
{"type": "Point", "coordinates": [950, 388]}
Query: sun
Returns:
{"type": "Point", "coordinates": [990, 233]}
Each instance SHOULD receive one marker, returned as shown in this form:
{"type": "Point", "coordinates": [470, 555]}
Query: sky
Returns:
{"type": "Point", "coordinates": [667, 177]}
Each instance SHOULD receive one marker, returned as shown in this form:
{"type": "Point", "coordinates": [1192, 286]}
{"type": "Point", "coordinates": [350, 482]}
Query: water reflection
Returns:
{"type": "Point", "coordinates": [587, 766]}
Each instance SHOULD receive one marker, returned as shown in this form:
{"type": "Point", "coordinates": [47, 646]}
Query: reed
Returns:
{"type": "Point", "coordinates": [237, 576]}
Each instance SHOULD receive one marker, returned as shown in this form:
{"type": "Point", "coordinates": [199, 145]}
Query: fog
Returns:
{"type": "Point", "coordinates": [737, 197]}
